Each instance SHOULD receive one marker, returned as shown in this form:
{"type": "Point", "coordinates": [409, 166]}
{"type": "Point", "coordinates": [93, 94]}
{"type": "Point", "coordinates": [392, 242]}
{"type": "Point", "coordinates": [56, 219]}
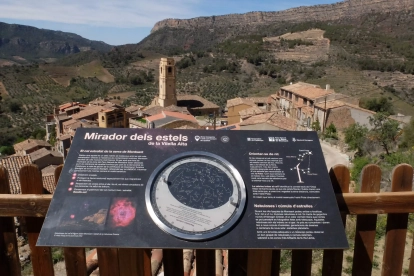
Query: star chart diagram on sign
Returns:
{"type": "Point", "coordinates": [304, 165]}
{"type": "Point", "coordinates": [152, 188]}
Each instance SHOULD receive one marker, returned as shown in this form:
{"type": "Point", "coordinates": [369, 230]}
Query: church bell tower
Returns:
{"type": "Point", "coordinates": [167, 89]}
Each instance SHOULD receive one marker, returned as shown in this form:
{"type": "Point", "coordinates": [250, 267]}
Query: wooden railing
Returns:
{"type": "Point", "coordinates": [32, 205]}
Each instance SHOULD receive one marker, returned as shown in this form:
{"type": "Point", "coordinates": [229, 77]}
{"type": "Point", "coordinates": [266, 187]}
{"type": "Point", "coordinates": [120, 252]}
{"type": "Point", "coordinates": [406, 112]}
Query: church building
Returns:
{"type": "Point", "coordinates": [168, 98]}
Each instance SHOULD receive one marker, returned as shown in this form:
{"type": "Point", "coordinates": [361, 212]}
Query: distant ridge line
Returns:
{"type": "Point", "coordinates": [324, 12]}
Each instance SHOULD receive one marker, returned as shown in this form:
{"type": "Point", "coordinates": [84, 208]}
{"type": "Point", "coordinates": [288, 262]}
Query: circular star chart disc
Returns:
{"type": "Point", "coordinates": [195, 195]}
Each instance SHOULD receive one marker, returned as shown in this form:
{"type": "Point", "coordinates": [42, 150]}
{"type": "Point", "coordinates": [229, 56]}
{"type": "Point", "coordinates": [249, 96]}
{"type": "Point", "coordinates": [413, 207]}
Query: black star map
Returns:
{"type": "Point", "coordinates": [200, 185]}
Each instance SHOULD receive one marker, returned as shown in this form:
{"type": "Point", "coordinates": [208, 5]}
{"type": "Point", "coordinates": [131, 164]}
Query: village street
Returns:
{"type": "Point", "coordinates": [333, 156]}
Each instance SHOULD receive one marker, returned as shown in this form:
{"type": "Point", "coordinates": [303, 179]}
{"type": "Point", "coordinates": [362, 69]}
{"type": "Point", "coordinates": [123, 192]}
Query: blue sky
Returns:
{"type": "Point", "coordinates": [119, 22]}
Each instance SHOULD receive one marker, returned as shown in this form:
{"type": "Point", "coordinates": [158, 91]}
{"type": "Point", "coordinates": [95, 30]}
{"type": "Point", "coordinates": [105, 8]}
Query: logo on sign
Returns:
{"type": "Point", "coordinates": [197, 138]}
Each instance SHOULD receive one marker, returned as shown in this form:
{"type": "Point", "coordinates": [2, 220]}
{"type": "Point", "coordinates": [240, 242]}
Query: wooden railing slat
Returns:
{"type": "Point", "coordinates": [75, 261]}
{"type": "Point", "coordinates": [41, 257]}
{"type": "Point", "coordinates": [275, 263]}
{"type": "Point", "coordinates": [237, 261]}
{"type": "Point", "coordinates": [205, 258]}
{"type": "Point", "coordinates": [332, 258]}
{"type": "Point", "coordinates": [173, 262]}
{"type": "Point", "coordinates": [131, 262]}
{"type": "Point", "coordinates": [9, 258]}
{"type": "Point", "coordinates": [402, 179]}
{"type": "Point", "coordinates": [352, 203]}
{"type": "Point", "coordinates": [259, 262]}
{"type": "Point", "coordinates": [108, 261]}
{"type": "Point", "coordinates": [301, 262]}
{"type": "Point", "coordinates": [366, 224]}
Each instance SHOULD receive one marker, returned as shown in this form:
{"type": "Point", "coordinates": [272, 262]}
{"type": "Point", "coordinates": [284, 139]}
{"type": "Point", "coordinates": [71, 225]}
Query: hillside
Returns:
{"type": "Point", "coordinates": [19, 43]}
{"type": "Point", "coordinates": [361, 52]}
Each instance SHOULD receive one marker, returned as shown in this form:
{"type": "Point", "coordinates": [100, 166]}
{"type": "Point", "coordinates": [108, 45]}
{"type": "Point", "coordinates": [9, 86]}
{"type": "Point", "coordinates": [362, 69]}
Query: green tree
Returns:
{"type": "Point", "coordinates": [7, 150]}
{"type": "Point", "coordinates": [384, 130]}
{"type": "Point", "coordinates": [316, 126]}
{"type": "Point", "coordinates": [408, 135]}
{"type": "Point", "coordinates": [378, 105]}
{"type": "Point", "coordinates": [330, 132]}
{"type": "Point", "coordinates": [355, 137]}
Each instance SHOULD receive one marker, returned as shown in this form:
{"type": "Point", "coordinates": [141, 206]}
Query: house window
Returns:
{"type": "Point", "coordinates": [309, 122]}
{"type": "Point", "coordinates": [311, 103]}
{"type": "Point", "coordinates": [103, 118]}
{"type": "Point", "coordinates": [169, 70]}
{"type": "Point", "coordinates": [290, 95]}
{"type": "Point", "coordinates": [305, 101]}
{"type": "Point", "coordinates": [296, 98]}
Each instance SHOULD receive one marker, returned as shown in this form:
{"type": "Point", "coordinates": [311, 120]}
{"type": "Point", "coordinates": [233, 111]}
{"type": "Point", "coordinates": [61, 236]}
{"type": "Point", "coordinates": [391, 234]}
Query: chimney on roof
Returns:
{"type": "Point", "coordinates": [328, 87]}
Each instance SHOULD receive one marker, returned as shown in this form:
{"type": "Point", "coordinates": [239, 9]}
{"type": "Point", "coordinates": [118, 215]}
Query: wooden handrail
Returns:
{"type": "Point", "coordinates": [349, 203]}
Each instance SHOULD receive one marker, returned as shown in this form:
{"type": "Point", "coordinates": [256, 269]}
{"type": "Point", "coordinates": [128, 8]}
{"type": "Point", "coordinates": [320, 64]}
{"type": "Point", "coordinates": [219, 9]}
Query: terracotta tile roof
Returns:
{"type": "Point", "coordinates": [239, 101]}
{"type": "Point", "coordinates": [330, 104]}
{"type": "Point", "coordinates": [158, 109]}
{"type": "Point", "coordinates": [13, 164]}
{"type": "Point", "coordinates": [30, 143]}
{"type": "Point", "coordinates": [133, 108]}
{"type": "Point", "coordinates": [338, 103]}
{"type": "Point", "coordinates": [271, 118]}
{"type": "Point", "coordinates": [206, 103]}
{"type": "Point", "coordinates": [62, 107]}
{"type": "Point", "coordinates": [254, 110]}
{"type": "Point", "coordinates": [180, 116]}
{"type": "Point", "coordinates": [166, 117]}
{"type": "Point", "coordinates": [36, 155]}
{"type": "Point", "coordinates": [49, 170]}
{"type": "Point", "coordinates": [257, 100]}
{"type": "Point", "coordinates": [48, 178]}
{"type": "Point", "coordinates": [307, 90]}
{"type": "Point", "coordinates": [155, 117]}
{"type": "Point", "coordinates": [90, 110]}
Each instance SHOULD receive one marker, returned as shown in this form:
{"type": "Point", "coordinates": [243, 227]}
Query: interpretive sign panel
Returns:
{"type": "Point", "coordinates": [149, 188]}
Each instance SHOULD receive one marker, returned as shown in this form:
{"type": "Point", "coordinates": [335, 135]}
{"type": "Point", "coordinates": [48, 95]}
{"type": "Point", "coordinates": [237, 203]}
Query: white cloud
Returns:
{"type": "Point", "coordinates": [114, 13]}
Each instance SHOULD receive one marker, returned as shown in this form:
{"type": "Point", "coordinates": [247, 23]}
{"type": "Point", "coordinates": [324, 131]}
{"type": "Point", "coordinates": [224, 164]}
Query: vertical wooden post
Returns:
{"type": "Point", "coordinates": [259, 262]}
{"type": "Point", "coordinates": [237, 262]}
{"type": "Point", "coordinates": [108, 261]}
{"type": "Point", "coordinates": [332, 258]}
{"type": "Point", "coordinates": [75, 261]}
{"type": "Point", "coordinates": [402, 178]}
{"type": "Point", "coordinates": [75, 258]}
{"type": "Point", "coordinates": [275, 262]}
{"type": "Point", "coordinates": [9, 256]}
{"type": "Point", "coordinates": [41, 257]}
{"type": "Point", "coordinates": [366, 224]}
{"type": "Point", "coordinates": [301, 262]}
{"type": "Point", "coordinates": [173, 262]}
{"type": "Point", "coordinates": [130, 262]}
{"type": "Point", "coordinates": [205, 259]}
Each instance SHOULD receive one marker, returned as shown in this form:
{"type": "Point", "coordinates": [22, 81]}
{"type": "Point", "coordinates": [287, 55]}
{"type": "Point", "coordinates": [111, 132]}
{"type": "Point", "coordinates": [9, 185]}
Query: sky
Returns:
{"type": "Point", "coordinates": [119, 22]}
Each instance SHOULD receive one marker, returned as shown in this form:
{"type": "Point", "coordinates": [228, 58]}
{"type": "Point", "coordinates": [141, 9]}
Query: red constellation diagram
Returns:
{"type": "Point", "coordinates": [122, 212]}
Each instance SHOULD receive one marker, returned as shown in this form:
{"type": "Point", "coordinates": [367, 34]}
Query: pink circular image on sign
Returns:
{"type": "Point", "coordinates": [70, 189]}
{"type": "Point", "coordinates": [71, 183]}
{"type": "Point", "coordinates": [122, 212]}
{"type": "Point", "coordinates": [72, 216]}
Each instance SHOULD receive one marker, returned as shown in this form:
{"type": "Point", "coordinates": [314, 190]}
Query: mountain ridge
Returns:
{"type": "Point", "coordinates": [33, 43]}
{"type": "Point", "coordinates": [326, 12]}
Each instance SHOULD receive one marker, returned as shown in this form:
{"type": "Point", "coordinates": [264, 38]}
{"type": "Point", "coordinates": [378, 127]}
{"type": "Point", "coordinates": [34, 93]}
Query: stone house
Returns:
{"type": "Point", "coordinates": [30, 145]}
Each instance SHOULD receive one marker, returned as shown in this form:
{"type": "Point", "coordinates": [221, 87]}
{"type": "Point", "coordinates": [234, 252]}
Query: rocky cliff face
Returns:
{"type": "Point", "coordinates": [347, 9]}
